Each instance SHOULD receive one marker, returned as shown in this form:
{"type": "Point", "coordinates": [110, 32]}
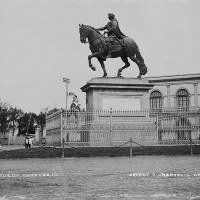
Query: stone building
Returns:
{"type": "Point", "coordinates": [175, 91]}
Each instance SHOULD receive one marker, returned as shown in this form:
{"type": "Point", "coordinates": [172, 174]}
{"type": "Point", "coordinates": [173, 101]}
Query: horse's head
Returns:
{"type": "Point", "coordinates": [84, 32]}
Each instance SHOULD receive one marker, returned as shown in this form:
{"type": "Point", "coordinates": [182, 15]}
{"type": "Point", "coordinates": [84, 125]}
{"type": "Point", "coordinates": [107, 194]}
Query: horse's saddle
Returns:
{"type": "Point", "coordinates": [113, 44]}
{"type": "Point", "coordinates": [107, 45]}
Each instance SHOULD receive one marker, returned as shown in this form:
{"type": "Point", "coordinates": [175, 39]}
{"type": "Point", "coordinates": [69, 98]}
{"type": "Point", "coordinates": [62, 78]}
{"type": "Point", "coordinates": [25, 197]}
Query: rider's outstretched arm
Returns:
{"type": "Point", "coordinates": [101, 29]}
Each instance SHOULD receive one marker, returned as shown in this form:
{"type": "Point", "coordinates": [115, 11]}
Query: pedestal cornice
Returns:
{"type": "Point", "coordinates": [117, 83]}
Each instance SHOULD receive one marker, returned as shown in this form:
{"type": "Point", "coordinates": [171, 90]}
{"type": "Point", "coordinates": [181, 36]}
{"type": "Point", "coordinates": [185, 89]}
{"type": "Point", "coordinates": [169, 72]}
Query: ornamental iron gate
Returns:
{"type": "Point", "coordinates": [180, 127]}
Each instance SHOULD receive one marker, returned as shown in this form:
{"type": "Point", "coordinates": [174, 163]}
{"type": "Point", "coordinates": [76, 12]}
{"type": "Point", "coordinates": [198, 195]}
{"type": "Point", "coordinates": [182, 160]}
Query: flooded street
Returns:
{"type": "Point", "coordinates": [139, 177]}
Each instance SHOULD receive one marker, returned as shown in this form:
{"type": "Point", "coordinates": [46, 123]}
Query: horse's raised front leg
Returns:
{"type": "Point", "coordinates": [103, 66]}
{"type": "Point", "coordinates": [127, 64]}
{"type": "Point", "coordinates": [90, 63]}
{"type": "Point", "coordinates": [96, 54]}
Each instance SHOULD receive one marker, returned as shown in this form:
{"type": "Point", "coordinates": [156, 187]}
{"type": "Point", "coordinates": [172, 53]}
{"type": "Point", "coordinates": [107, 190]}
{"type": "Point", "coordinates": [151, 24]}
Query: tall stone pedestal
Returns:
{"type": "Point", "coordinates": [129, 118]}
{"type": "Point", "coordinates": [117, 93]}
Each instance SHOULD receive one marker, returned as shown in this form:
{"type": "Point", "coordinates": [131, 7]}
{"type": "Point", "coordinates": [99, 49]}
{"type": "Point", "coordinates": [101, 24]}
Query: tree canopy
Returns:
{"type": "Point", "coordinates": [12, 118]}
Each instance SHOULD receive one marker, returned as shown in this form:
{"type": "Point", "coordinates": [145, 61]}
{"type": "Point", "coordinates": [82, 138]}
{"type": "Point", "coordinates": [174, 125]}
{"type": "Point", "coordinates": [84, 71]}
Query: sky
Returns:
{"type": "Point", "coordinates": [40, 45]}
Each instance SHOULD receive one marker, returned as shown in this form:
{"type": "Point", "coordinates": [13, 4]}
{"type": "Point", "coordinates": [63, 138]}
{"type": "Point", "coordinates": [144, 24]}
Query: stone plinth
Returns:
{"type": "Point", "coordinates": [117, 93]}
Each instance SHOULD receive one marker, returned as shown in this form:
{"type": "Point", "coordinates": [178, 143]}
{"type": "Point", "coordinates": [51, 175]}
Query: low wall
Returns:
{"type": "Point", "coordinates": [53, 137]}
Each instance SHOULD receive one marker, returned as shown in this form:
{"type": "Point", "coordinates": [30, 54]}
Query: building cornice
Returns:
{"type": "Point", "coordinates": [173, 78]}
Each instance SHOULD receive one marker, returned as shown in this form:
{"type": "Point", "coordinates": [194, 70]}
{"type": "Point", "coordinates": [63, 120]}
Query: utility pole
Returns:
{"type": "Point", "coordinates": [66, 81]}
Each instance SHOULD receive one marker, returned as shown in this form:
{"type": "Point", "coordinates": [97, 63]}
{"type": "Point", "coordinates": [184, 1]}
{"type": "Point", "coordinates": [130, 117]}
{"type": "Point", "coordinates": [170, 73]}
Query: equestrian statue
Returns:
{"type": "Point", "coordinates": [116, 44]}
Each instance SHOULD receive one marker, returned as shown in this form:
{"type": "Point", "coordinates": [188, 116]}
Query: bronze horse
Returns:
{"type": "Point", "coordinates": [99, 48]}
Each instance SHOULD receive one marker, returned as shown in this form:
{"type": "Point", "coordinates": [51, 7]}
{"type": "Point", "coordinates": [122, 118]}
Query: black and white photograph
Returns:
{"type": "Point", "coordinates": [99, 100]}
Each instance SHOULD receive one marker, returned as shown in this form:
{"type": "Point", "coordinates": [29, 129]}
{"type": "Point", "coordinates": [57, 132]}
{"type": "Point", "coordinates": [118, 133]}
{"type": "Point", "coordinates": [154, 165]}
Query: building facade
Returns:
{"type": "Point", "coordinates": [173, 92]}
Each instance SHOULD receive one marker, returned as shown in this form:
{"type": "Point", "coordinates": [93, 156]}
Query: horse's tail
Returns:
{"type": "Point", "coordinates": [143, 68]}
{"type": "Point", "coordinates": [139, 56]}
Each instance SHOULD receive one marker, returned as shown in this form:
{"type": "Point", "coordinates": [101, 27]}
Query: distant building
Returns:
{"type": "Point", "coordinates": [11, 138]}
{"type": "Point", "coordinates": [175, 91]}
{"type": "Point", "coordinates": [54, 127]}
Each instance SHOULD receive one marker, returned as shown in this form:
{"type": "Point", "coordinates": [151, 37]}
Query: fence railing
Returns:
{"type": "Point", "coordinates": [111, 127]}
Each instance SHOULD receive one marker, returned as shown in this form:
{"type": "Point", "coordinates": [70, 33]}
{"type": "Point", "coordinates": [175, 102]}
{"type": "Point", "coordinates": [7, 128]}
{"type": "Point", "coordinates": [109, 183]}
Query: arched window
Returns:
{"type": "Point", "coordinates": [155, 100]}
{"type": "Point", "coordinates": [182, 99]}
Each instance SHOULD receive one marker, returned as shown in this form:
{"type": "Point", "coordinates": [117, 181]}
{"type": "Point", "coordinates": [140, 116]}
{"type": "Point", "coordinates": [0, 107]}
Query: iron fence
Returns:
{"type": "Point", "coordinates": [113, 128]}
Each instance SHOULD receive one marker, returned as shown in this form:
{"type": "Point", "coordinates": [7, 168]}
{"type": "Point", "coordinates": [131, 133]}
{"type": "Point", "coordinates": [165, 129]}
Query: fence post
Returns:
{"type": "Point", "coordinates": [131, 147]}
{"type": "Point", "coordinates": [110, 126]}
{"type": "Point", "coordinates": [52, 131]}
{"type": "Point", "coordinates": [199, 125]}
{"type": "Point", "coordinates": [52, 139]}
{"type": "Point", "coordinates": [157, 126]}
{"type": "Point", "coordinates": [63, 149]}
{"type": "Point", "coordinates": [191, 152]}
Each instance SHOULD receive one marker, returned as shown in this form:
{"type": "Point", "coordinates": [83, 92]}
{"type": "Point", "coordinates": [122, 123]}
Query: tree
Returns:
{"type": "Point", "coordinates": [14, 115]}
{"type": "Point", "coordinates": [41, 121]}
{"type": "Point", "coordinates": [12, 118]}
{"type": "Point", "coordinates": [52, 111]}
{"type": "Point", "coordinates": [26, 123]}
{"type": "Point", "coordinates": [45, 110]}
{"type": "Point", "coordinates": [4, 120]}
{"type": "Point", "coordinates": [4, 117]}
{"type": "Point", "coordinates": [48, 111]}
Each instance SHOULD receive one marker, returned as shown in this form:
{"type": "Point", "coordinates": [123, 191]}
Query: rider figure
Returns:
{"type": "Point", "coordinates": [113, 28]}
